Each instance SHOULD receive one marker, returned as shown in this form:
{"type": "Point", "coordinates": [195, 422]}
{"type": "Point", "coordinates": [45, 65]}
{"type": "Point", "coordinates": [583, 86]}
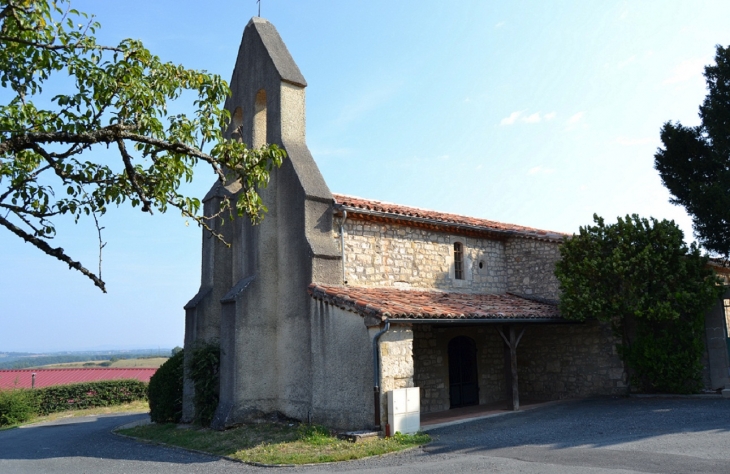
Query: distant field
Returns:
{"type": "Point", "coordinates": [122, 363]}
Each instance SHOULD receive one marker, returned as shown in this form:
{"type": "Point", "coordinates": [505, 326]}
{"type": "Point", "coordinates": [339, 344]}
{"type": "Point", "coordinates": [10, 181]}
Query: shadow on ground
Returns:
{"type": "Point", "coordinates": [592, 423]}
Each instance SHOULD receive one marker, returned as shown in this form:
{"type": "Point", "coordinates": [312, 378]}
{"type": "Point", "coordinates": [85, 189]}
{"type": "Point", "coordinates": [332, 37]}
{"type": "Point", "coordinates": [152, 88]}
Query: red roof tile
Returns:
{"type": "Point", "coordinates": [396, 211]}
{"type": "Point", "coordinates": [22, 378]}
{"type": "Point", "coordinates": [388, 302]}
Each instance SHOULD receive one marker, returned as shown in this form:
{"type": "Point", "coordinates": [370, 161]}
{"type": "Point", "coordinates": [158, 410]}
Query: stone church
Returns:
{"type": "Point", "coordinates": [334, 300]}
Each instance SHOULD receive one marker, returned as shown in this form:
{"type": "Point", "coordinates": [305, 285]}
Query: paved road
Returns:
{"type": "Point", "coordinates": [593, 436]}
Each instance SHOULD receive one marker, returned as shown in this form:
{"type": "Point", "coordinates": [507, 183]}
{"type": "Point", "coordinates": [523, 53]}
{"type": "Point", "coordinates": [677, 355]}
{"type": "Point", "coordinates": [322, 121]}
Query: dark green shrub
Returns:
{"type": "Point", "coordinates": [640, 276]}
{"type": "Point", "coordinates": [166, 389]}
{"type": "Point", "coordinates": [667, 355]}
{"type": "Point", "coordinates": [17, 406]}
{"type": "Point", "coordinates": [203, 369]}
{"type": "Point", "coordinates": [89, 395]}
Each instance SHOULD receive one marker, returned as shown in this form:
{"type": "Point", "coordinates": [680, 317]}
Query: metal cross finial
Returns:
{"type": "Point", "coordinates": [259, 2]}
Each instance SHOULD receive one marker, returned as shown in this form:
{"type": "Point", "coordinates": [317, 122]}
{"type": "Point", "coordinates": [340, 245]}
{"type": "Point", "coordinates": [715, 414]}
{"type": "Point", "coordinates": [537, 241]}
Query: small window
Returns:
{"type": "Point", "coordinates": [458, 261]}
{"type": "Point", "coordinates": [236, 125]}
{"type": "Point", "coordinates": [259, 120]}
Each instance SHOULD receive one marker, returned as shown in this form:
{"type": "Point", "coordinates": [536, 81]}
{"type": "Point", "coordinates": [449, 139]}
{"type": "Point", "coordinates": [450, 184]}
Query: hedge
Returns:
{"type": "Point", "coordinates": [89, 395]}
{"type": "Point", "coordinates": [166, 390]}
{"type": "Point", "coordinates": [17, 406]}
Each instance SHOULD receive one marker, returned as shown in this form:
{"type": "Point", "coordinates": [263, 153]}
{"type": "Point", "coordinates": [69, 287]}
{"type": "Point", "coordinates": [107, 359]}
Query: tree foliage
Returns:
{"type": "Point", "coordinates": [695, 162]}
{"type": "Point", "coordinates": [641, 276]}
{"type": "Point", "coordinates": [204, 371]}
{"type": "Point", "coordinates": [166, 390]}
{"type": "Point", "coordinates": [114, 97]}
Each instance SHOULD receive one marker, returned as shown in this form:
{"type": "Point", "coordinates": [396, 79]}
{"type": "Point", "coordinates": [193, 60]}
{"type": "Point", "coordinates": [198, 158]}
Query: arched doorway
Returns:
{"type": "Point", "coordinates": [463, 382]}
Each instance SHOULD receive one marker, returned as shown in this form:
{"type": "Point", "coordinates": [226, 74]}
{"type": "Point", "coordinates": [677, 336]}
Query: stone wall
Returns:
{"type": "Point", "coordinates": [342, 368]}
{"type": "Point", "coordinates": [553, 362]}
{"type": "Point", "coordinates": [380, 254]}
{"type": "Point", "coordinates": [396, 364]}
{"type": "Point", "coordinates": [569, 360]}
{"type": "Point", "coordinates": [530, 267]}
{"type": "Point", "coordinates": [432, 366]}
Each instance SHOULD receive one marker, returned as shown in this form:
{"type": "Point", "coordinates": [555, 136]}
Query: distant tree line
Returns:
{"type": "Point", "coordinates": [38, 361]}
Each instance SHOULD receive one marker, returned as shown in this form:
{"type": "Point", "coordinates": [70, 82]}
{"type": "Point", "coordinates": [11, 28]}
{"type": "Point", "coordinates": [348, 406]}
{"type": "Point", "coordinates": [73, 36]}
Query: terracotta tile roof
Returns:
{"type": "Point", "coordinates": [388, 302]}
{"type": "Point", "coordinates": [22, 378]}
{"type": "Point", "coordinates": [396, 211]}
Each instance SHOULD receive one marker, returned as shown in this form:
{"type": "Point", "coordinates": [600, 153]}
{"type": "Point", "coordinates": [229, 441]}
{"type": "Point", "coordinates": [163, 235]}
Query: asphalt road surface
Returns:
{"type": "Point", "coordinates": [589, 436]}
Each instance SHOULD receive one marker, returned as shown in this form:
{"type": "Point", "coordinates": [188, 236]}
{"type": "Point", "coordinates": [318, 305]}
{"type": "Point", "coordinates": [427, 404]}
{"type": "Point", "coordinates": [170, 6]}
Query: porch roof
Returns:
{"type": "Point", "coordinates": [388, 303]}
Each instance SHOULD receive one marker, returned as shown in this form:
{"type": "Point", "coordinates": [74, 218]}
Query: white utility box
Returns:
{"type": "Point", "coordinates": [404, 410]}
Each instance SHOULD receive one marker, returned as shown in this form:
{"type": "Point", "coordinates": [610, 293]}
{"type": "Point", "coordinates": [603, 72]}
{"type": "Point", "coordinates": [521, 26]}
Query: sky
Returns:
{"type": "Point", "coordinates": [534, 113]}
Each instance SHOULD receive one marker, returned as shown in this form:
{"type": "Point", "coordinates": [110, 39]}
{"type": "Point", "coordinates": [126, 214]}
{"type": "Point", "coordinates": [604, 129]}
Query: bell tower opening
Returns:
{"type": "Point", "coordinates": [259, 120]}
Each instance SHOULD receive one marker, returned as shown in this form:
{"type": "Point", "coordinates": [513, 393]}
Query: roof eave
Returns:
{"type": "Point", "coordinates": [479, 321]}
{"type": "Point", "coordinates": [505, 234]}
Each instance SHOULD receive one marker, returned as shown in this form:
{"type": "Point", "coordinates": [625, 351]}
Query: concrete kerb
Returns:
{"type": "Point", "coordinates": [133, 424]}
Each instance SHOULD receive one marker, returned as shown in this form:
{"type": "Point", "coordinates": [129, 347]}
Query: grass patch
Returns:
{"type": "Point", "coordinates": [273, 443]}
{"type": "Point", "coordinates": [136, 406]}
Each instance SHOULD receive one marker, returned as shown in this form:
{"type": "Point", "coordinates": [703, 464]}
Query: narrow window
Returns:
{"type": "Point", "coordinates": [458, 261]}
{"type": "Point", "coordinates": [259, 120]}
{"type": "Point", "coordinates": [236, 125]}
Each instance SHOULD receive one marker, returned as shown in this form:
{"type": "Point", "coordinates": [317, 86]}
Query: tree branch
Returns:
{"type": "Point", "coordinates": [108, 135]}
{"type": "Point", "coordinates": [57, 252]}
{"type": "Point", "coordinates": [146, 203]}
{"type": "Point", "coordinates": [58, 47]}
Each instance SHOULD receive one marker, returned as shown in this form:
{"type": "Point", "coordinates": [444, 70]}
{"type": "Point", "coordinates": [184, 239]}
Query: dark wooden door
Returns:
{"type": "Point", "coordinates": [463, 384]}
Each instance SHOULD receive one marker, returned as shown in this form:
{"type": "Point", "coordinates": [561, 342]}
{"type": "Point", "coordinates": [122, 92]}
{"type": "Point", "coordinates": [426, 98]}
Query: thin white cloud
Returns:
{"type": "Point", "coordinates": [511, 119]}
{"type": "Point", "coordinates": [540, 170]}
{"type": "Point", "coordinates": [500, 24]}
{"type": "Point", "coordinates": [626, 62]}
{"type": "Point", "coordinates": [575, 118]}
{"type": "Point", "coordinates": [686, 70]}
{"type": "Point", "coordinates": [532, 118]}
{"type": "Point", "coordinates": [633, 141]}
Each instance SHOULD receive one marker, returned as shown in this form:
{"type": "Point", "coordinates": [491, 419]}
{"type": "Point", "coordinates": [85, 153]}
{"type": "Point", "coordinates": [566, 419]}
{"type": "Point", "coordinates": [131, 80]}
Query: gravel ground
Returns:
{"type": "Point", "coordinates": [588, 436]}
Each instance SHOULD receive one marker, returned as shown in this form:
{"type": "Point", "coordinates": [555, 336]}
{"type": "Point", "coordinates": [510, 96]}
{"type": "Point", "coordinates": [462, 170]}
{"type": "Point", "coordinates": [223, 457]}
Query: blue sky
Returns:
{"type": "Point", "coordinates": [535, 113]}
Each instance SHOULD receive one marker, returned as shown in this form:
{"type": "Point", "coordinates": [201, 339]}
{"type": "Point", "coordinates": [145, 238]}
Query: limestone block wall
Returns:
{"type": "Point", "coordinates": [380, 254]}
{"type": "Point", "coordinates": [530, 267]}
{"type": "Point", "coordinates": [553, 362]}
{"type": "Point", "coordinates": [432, 365]}
{"type": "Point", "coordinates": [396, 364]}
{"type": "Point", "coordinates": [571, 360]}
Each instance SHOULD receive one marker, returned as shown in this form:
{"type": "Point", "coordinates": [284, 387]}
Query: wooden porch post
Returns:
{"type": "Point", "coordinates": [511, 342]}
